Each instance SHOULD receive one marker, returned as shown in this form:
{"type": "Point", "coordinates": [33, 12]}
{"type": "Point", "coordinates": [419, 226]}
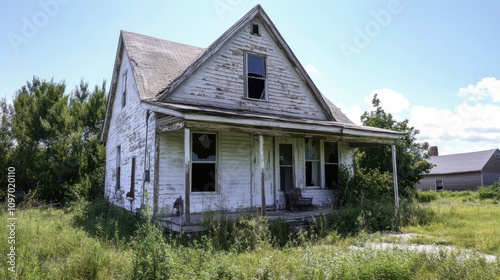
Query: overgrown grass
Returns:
{"type": "Point", "coordinates": [465, 221]}
{"type": "Point", "coordinates": [99, 241]}
{"type": "Point", "coordinates": [49, 246]}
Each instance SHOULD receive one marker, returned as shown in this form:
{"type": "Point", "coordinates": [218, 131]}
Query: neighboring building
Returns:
{"type": "Point", "coordinates": [216, 126]}
{"type": "Point", "coordinates": [465, 171]}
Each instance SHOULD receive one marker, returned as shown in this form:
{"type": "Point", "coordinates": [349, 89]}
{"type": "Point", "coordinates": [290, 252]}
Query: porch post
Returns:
{"type": "Point", "coordinates": [187, 166]}
{"type": "Point", "coordinates": [262, 177]}
{"type": "Point", "coordinates": [395, 176]}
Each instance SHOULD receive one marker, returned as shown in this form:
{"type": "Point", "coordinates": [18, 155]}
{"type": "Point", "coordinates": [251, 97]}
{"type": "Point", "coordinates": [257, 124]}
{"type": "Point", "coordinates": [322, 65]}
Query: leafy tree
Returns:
{"type": "Point", "coordinates": [6, 142]}
{"type": "Point", "coordinates": [410, 155]}
{"type": "Point", "coordinates": [56, 148]}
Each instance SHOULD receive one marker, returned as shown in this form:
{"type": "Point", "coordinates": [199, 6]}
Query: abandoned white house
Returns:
{"type": "Point", "coordinates": [231, 126]}
{"type": "Point", "coordinates": [465, 171]}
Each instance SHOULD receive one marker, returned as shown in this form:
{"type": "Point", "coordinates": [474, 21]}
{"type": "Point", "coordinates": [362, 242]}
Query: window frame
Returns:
{"type": "Point", "coordinates": [442, 184]}
{"type": "Point", "coordinates": [320, 181]}
{"type": "Point", "coordinates": [252, 28]}
{"type": "Point", "coordinates": [216, 163]}
{"type": "Point", "coordinates": [266, 95]}
{"type": "Point", "coordinates": [325, 163]}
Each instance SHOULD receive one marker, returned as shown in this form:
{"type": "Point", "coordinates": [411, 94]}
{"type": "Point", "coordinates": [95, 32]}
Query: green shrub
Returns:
{"type": "Point", "coordinates": [152, 258]}
{"type": "Point", "coordinates": [490, 192]}
{"type": "Point", "coordinates": [281, 233]}
{"type": "Point", "coordinates": [426, 196]}
{"type": "Point", "coordinates": [380, 215]}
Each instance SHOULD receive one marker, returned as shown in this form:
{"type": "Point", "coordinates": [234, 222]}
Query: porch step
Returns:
{"type": "Point", "coordinates": [270, 208]}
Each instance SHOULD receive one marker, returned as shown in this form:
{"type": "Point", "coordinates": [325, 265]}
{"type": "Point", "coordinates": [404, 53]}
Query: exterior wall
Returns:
{"type": "Point", "coordinates": [234, 165]}
{"type": "Point", "coordinates": [452, 182]}
{"type": "Point", "coordinates": [491, 171]}
{"type": "Point", "coordinates": [220, 81]}
{"type": "Point", "coordinates": [128, 130]}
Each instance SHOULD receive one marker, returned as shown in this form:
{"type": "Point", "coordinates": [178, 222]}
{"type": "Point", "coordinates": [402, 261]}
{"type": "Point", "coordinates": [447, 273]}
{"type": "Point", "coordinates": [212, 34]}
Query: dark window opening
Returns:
{"type": "Point", "coordinates": [331, 165]}
{"type": "Point", "coordinates": [439, 184]}
{"type": "Point", "coordinates": [255, 29]}
{"type": "Point", "coordinates": [204, 160]}
{"type": "Point", "coordinates": [256, 77]}
{"type": "Point", "coordinates": [286, 167]}
{"type": "Point", "coordinates": [312, 162]}
{"type": "Point", "coordinates": [203, 177]}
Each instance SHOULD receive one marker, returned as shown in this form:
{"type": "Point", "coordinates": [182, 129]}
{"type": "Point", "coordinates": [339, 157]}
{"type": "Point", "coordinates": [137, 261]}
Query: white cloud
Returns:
{"type": "Point", "coordinates": [311, 69]}
{"type": "Point", "coordinates": [392, 101]}
{"type": "Point", "coordinates": [487, 87]}
{"type": "Point", "coordinates": [465, 127]}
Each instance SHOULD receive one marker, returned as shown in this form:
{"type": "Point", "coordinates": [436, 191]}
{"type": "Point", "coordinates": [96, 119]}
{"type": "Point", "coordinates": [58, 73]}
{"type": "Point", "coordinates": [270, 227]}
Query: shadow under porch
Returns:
{"type": "Point", "coordinates": [297, 219]}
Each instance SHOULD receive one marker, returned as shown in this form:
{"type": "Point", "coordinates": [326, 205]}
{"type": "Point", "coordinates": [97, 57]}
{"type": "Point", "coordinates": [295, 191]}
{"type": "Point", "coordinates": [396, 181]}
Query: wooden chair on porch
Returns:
{"type": "Point", "coordinates": [296, 200]}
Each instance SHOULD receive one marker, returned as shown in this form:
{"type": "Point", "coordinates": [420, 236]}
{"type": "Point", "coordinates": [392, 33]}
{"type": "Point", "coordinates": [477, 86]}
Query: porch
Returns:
{"type": "Point", "coordinates": [296, 219]}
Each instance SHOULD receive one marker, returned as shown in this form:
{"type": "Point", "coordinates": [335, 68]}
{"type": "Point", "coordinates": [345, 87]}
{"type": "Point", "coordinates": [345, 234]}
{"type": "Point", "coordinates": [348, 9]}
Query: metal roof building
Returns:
{"type": "Point", "coordinates": [465, 171]}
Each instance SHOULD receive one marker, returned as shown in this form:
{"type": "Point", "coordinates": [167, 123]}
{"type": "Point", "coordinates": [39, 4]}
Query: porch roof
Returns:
{"type": "Point", "coordinates": [207, 117]}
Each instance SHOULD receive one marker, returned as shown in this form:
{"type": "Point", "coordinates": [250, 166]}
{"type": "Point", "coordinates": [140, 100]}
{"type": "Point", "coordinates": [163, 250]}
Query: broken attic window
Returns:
{"type": "Point", "coordinates": [256, 77]}
{"type": "Point", "coordinates": [204, 162]}
{"type": "Point", "coordinates": [255, 29]}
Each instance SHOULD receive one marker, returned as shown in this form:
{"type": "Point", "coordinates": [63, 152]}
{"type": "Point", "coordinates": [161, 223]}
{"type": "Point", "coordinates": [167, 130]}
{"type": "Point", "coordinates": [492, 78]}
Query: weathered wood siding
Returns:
{"type": "Point", "coordinates": [321, 197]}
{"type": "Point", "coordinates": [220, 81]}
{"type": "Point", "coordinates": [128, 130]}
{"type": "Point", "coordinates": [452, 182]}
{"type": "Point", "coordinates": [233, 163]}
{"type": "Point", "coordinates": [238, 177]}
{"type": "Point", "coordinates": [491, 171]}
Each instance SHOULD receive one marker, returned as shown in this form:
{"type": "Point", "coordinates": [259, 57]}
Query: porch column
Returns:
{"type": "Point", "coordinates": [262, 177]}
{"type": "Point", "coordinates": [187, 168]}
{"type": "Point", "coordinates": [395, 176]}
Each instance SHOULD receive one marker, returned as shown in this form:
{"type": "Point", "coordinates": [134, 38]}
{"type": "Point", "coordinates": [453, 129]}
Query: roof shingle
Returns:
{"type": "Point", "coordinates": [157, 62]}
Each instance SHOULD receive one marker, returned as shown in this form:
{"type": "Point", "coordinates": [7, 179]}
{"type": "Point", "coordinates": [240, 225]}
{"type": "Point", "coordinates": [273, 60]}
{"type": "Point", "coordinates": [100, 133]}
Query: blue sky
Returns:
{"type": "Point", "coordinates": [436, 63]}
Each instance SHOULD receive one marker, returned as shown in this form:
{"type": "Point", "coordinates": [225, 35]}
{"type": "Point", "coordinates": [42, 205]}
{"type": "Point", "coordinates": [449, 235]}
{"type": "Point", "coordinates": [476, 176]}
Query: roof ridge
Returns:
{"type": "Point", "coordinates": [466, 153]}
{"type": "Point", "coordinates": [157, 38]}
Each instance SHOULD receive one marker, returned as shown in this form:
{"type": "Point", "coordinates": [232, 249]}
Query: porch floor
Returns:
{"type": "Point", "coordinates": [294, 218]}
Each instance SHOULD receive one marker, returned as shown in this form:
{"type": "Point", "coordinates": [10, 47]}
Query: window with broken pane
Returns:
{"type": "Point", "coordinates": [204, 160]}
{"type": "Point", "coordinates": [331, 164]}
{"type": "Point", "coordinates": [312, 162]}
{"type": "Point", "coordinates": [256, 77]}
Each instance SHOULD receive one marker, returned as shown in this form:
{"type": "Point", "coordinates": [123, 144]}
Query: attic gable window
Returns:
{"type": "Point", "coordinates": [255, 29]}
{"type": "Point", "coordinates": [256, 77]}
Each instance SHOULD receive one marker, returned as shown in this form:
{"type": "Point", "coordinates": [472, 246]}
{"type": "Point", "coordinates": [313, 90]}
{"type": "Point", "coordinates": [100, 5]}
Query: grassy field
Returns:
{"type": "Point", "coordinates": [98, 241]}
{"type": "Point", "coordinates": [464, 221]}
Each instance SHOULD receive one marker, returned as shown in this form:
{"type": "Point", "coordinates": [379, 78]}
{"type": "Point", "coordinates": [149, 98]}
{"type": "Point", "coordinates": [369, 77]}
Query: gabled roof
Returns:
{"type": "Point", "coordinates": [329, 109]}
{"type": "Point", "coordinates": [460, 163]}
{"type": "Point", "coordinates": [160, 66]}
{"type": "Point", "coordinates": [156, 62]}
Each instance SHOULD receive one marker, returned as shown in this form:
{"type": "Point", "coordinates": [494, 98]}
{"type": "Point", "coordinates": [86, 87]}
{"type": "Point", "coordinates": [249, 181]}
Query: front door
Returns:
{"type": "Point", "coordinates": [268, 173]}
{"type": "Point", "coordinates": [286, 167]}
